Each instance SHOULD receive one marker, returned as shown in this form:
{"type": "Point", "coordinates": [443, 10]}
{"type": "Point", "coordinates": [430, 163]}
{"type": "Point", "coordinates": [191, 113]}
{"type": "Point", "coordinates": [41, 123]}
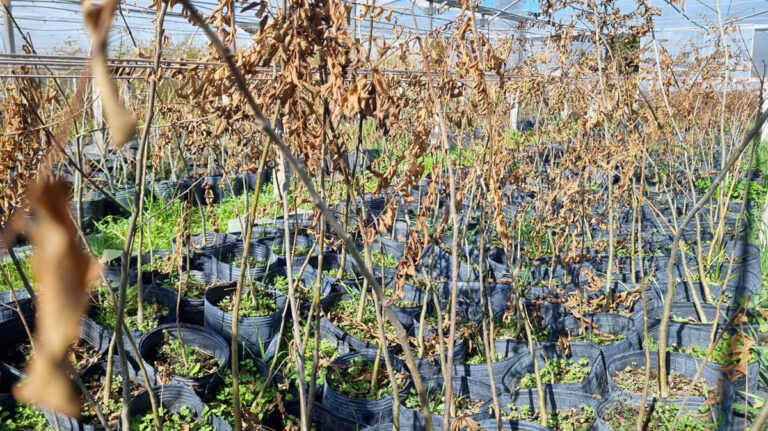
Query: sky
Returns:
{"type": "Point", "coordinates": [56, 25]}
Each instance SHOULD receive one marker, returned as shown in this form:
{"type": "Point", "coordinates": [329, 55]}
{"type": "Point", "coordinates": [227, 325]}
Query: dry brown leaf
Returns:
{"type": "Point", "coordinates": [64, 273]}
{"type": "Point", "coordinates": [98, 18]}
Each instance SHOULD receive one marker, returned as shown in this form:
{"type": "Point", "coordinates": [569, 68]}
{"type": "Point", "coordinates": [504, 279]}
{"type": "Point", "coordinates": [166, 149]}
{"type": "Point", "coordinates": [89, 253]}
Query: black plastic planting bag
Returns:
{"type": "Point", "coordinates": [100, 337]}
{"type": "Point", "coordinates": [363, 411]}
{"type": "Point", "coordinates": [254, 332]}
{"type": "Point", "coordinates": [595, 382]}
{"type": "Point", "coordinates": [174, 397]}
{"type": "Point", "coordinates": [554, 399]}
{"type": "Point", "coordinates": [194, 336]}
{"type": "Point", "coordinates": [324, 419]}
{"type": "Point", "coordinates": [681, 364]}
{"type": "Point", "coordinates": [692, 405]}
{"type": "Point", "coordinates": [619, 328]}
{"type": "Point", "coordinates": [412, 419]}
{"type": "Point", "coordinates": [9, 307]}
{"type": "Point", "coordinates": [698, 335]}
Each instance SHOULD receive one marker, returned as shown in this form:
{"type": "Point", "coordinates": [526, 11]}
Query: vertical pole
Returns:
{"type": "Point", "coordinates": [764, 134]}
{"type": "Point", "coordinates": [515, 111]}
{"type": "Point", "coordinates": [10, 46]}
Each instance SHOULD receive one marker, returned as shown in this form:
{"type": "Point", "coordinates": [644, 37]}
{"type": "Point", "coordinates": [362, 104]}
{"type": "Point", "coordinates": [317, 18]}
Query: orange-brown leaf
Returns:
{"type": "Point", "coordinates": [63, 273]}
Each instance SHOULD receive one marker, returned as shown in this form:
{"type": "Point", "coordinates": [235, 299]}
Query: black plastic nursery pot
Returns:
{"type": "Point", "coordinates": [94, 208]}
{"type": "Point", "coordinates": [578, 357]}
{"type": "Point", "coordinates": [437, 263]}
{"type": "Point", "coordinates": [226, 266]}
{"type": "Point", "coordinates": [430, 365]}
{"type": "Point", "coordinates": [125, 198]}
{"type": "Point", "coordinates": [471, 297]}
{"type": "Point", "coordinates": [323, 419]}
{"type": "Point", "coordinates": [251, 178]}
{"type": "Point", "coordinates": [622, 409]}
{"type": "Point", "coordinates": [514, 408]}
{"type": "Point", "coordinates": [9, 376]}
{"type": "Point", "coordinates": [191, 309]}
{"type": "Point", "coordinates": [211, 244]}
{"type": "Point", "coordinates": [210, 185]}
{"type": "Point", "coordinates": [474, 392]}
{"type": "Point", "coordinates": [350, 278]}
{"type": "Point", "coordinates": [168, 190]}
{"type": "Point", "coordinates": [100, 336]}
{"type": "Point", "coordinates": [193, 336]}
{"type": "Point", "coordinates": [696, 337]}
{"type": "Point", "coordinates": [254, 333]}
{"type": "Point", "coordinates": [678, 363]}
{"type": "Point", "coordinates": [10, 305]}
{"type": "Point", "coordinates": [337, 336]}
{"type": "Point", "coordinates": [300, 247]}
{"type": "Point", "coordinates": [174, 398]}
{"type": "Point", "coordinates": [361, 410]}
{"type": "Point", "coordinates": [14, 343]}
{"type": "Point", "coordinates": [394, 247]}
{"type": "Point", "coordinates": [614, 333]}
{"type": "Point", "coordinates": [308, 279]}
{"type": "Point", "coordinates": [689, 313]}
{"type": "Point", "coordinates": [508, 353]}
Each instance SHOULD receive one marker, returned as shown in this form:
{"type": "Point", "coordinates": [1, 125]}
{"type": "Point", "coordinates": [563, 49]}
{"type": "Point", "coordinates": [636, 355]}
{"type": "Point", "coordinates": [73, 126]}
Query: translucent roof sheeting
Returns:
{"type": "Point", "coordinates": [56, 25]}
